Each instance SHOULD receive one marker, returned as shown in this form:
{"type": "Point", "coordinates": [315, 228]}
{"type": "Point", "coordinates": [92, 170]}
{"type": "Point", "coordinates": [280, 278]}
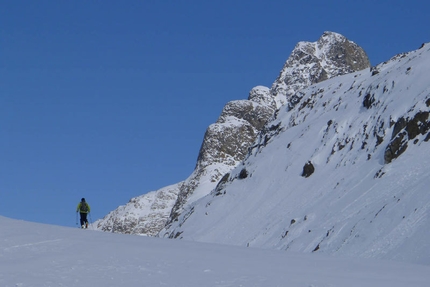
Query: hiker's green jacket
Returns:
{"type": "Point", "coordinates": [78, 209]}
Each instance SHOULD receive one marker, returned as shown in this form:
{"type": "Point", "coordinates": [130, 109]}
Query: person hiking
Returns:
{"type": "Point", "coordinates": [83, 208]}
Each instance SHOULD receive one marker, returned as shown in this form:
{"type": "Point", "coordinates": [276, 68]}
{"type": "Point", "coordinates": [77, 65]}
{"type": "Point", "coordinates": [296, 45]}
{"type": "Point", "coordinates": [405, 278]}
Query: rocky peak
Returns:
{"type": "Point", "coordinates": [226, 142]}
{"type": "Point", "coordinates": [312, 62]}
{"type": "Point", "coordinates": [344, 171]}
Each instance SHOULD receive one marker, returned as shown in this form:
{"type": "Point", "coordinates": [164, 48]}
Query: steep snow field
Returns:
{"type": "Point", "coordinates": [356, 203]}
{"type": "Point", "coordinates": [40, 255]}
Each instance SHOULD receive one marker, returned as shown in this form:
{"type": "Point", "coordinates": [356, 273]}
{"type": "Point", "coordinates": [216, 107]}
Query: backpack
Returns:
{"type": "Point", "coordinates": [84, 207]}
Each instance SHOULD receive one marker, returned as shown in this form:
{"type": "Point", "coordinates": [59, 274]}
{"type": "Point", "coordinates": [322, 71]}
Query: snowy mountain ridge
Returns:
{"type": "Point", "coordinates": [345, 171]}
{"type": "Point", "coordinates": [145, 214]}
{"type": "Point", "coordinates": [336, 165]}
{"type": "Point", "coordinates": [226, 142]}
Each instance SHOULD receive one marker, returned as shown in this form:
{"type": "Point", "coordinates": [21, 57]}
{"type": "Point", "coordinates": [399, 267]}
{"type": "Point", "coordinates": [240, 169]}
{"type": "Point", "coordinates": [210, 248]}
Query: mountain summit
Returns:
{"type": "Point", "coordinates": [310, 63]}
{"type": "Point", "coordinates": [332, 159]}
{"type": "Point", "coordinates": [226, 142]}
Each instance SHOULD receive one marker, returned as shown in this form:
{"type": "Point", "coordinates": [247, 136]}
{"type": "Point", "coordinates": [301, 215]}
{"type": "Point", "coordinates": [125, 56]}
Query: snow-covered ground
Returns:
{"type": "Point", "coordinates": [33, 254]}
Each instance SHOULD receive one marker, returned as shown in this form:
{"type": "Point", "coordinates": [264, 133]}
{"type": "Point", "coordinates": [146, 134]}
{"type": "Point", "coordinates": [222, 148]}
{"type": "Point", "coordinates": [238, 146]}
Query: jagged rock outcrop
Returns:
{"type": "Point", "coordinates": [227, 141]}
{"type": "Point", "coordinates": [142, 215]}
{"type": "Point", "coordinates": [310, 63]}
{"type": "Point", "coordinates": [404, 131]}
{"type": "Point", "coordinates": [225, 144]}
{"type": "Point", "coordinates": [262, 95]}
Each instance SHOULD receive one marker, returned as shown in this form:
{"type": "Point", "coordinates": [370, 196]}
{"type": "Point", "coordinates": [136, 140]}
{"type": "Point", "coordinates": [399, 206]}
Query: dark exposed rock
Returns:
{"type": "Point", "coordinates": [243, 174]}
{"type": "Point", "coordinates": [308, 169]}
{"type": "Point", "coordinates": [374, 71]}
{"type": "Point", "coordinates": [396, 147]}
{"type": "Point", "coordinates": [419, 124]}
{"type": "Point", "coordinates": [368, 101]}
{"type": "Point", "coordinates": [398, 126]}
{"type": "Point", "coordinates": [316, 248]}
{"type": "Point", "coordinates": [405, 130]}
{"type": "Point", "coordinates": [221, 183]}
{"type": "Point", "coordinates": [177, 234]}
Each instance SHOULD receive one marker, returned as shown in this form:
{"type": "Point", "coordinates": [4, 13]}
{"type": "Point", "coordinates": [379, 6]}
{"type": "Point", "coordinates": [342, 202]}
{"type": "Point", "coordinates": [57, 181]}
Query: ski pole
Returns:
{"type": "Point", "coordinates": [91, 220]}
{"type": "Point", "coordinates": [76, 218]}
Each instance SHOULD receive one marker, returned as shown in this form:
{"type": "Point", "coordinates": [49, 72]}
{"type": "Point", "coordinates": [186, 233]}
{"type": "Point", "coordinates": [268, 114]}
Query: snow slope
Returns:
{"type": "Point", "coordinates": [367, 136]}
{"type": "Point", "coordinates": [42, 255]}
{"type": "Point", "coordinates": [226, 141]}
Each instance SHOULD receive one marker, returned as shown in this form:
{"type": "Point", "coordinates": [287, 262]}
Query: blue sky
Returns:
{"type": "Point", "coordinates": [108, 100]}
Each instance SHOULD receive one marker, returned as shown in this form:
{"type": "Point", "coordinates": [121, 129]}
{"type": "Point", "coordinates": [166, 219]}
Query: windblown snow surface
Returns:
{"type": "Point", "coordinates": [33, 254]}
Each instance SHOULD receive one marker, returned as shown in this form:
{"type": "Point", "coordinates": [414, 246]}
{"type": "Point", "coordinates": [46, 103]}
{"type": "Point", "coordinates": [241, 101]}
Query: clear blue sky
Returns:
{"type": "Point", "coordinates": [108, 100]}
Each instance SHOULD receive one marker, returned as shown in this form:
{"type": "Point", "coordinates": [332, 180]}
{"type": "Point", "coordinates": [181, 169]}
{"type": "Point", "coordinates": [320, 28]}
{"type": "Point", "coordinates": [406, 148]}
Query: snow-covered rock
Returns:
{"type": "Point", "coordinates": [226, 142]}
{"type": "Point", "coordinates": [366, 136]}
{"type": "Point", "coordinates": [142, 215]}
{"type": "Point", "coordinates": [313, 62]}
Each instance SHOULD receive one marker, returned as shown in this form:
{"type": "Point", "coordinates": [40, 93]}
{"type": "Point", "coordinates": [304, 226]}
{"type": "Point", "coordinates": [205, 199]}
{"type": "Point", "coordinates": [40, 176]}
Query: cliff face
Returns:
{"type": "Point", "coordinates": [226, 142]}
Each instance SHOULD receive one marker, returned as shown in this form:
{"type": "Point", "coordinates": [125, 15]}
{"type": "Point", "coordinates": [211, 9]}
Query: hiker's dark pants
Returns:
{"type": "Point", "coordinates": [83, 218]}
